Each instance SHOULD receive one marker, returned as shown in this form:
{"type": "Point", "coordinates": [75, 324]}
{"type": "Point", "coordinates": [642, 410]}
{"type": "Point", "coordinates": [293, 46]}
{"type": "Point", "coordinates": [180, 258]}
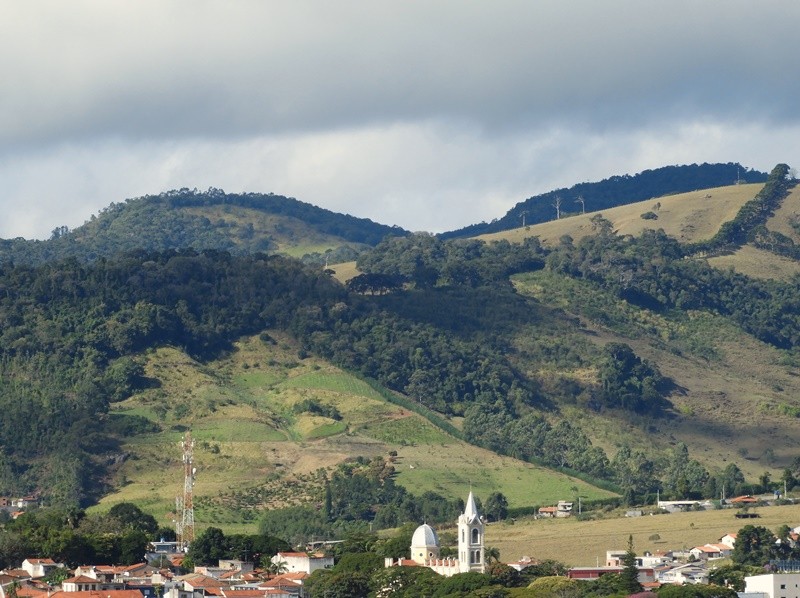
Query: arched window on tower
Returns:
{"type": "Point", "coordinates": [475, 535]}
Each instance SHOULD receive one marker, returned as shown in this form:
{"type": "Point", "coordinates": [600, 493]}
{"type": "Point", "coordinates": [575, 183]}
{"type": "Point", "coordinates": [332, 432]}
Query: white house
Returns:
{"type": "Point", "coordinates": [691, 573]}
{"type": "Point", "coordinates": [81, 583]}
{"type": "Point", "coordinates": [728, 540]}
{"type": "Point", "coordinates": [564, 508]}
{"type": "Point", "coordinates": [40, 567]}
{"type": "Point", "coordinates": [774, 585]}
{"type": "Point", "coordinates": [300, 561]}
{"type": "Point", "coordinates": [711, 551]}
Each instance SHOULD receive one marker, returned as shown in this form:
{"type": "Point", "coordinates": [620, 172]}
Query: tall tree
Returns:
{"type": "Point", "coordinates": [754, 546]}
{"type": "Point", "coordinates": [630, 572]}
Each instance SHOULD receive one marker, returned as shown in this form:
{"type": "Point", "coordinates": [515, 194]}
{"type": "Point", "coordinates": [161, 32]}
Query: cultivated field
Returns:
{"type": "Point", "coordinates": [584, 543]}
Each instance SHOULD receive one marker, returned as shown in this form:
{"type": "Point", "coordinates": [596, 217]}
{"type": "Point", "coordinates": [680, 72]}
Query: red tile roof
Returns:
{"type": "Point", "coordinates": [99, 594]}
{"type": "Point", "coordinates": [744, 499]}
{"type": "Point", "coordinates": [27, 591]}
{"type": "Point", "coordinates": [81, 579]}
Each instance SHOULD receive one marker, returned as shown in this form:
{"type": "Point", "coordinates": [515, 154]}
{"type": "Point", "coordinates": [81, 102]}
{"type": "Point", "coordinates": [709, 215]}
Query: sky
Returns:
{"type": "Point", "coordinates": [426, 114]}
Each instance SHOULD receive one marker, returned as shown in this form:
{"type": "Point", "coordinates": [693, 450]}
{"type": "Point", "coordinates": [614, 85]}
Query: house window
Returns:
{"type": "Point", "coordinates": [783, 586]}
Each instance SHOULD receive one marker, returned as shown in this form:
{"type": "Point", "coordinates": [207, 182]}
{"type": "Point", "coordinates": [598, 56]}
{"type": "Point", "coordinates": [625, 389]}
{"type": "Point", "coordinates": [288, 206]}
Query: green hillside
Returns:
{"type": "Point", "coordinates": [256, 449]}
{"type": "Point", "coordinates": [618, 352]}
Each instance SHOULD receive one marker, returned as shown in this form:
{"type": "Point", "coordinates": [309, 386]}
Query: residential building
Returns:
{"type": "Point", "coordinates": [302, 562]}
{"type": "Point", "coordinates": [774, 585]}
{"type": "Point", "coordinates": [40, 567]}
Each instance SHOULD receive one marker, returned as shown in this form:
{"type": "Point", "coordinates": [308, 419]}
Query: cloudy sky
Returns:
{"type": "Point", "coordinates": [422, 113]}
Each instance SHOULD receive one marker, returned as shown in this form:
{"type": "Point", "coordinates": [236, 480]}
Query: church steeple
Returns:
{"type": "Point", "coordinates": [471, 509]}
{"type": "Point", "coordinates": [470, 538]}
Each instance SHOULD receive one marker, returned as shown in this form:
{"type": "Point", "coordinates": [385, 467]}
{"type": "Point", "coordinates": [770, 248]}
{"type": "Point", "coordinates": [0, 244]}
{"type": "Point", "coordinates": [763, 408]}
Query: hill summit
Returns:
{"type": "Point", "coordinates": [614, 191]}
{"type": "Point", "coordinates": [240, 224]}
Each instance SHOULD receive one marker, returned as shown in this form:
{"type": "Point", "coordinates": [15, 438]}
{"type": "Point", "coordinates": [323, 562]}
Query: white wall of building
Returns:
{"type": "Point", "coordinates": [774, 585]}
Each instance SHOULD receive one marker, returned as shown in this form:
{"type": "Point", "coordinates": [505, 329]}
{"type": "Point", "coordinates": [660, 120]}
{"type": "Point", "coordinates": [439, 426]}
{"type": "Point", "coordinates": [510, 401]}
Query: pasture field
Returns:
{"type": "Point", "coordinates": [785, 219]}
{"type": "Point", "coordinates": [451, 469]}
{"type": "Point", "coordinates": [692, 216]}
{"type": "Point", "coordinates": [583, 543]}
{"type": "Point", "coordinates": [757, 263]}
{"type": "Point", "coordinates": [253, 450]}
{"type": "Point", "coordinates": [345, 271]}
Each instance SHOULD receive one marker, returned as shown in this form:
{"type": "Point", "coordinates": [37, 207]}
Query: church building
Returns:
{"type": "Point", "coordinates": [425, 546]}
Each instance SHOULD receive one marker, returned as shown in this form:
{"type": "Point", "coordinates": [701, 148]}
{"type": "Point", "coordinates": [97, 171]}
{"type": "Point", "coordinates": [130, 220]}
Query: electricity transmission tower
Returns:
{"type": "Point", "coordinates": [184, 505]}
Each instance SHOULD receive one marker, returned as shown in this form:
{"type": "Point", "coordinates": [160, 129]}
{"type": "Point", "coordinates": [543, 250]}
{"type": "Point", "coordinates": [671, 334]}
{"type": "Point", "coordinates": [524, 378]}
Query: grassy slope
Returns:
{"type": "Point", "coordinates": [686, 216]}
{"type": "Point", "coordinates": [580, 543]}
{"type": "Point", "coordinates": [763, 264]}
{"type": "Point", "coordinates": [345, 271]}
{"type": "Point", "coordinates": [732, 390]}
{"type": "Point", "coordinates": [735, 394]}
{"type": "Point", "coordinates": [253, 452]}
{"type": "Point", "coordinates": [292, 236]}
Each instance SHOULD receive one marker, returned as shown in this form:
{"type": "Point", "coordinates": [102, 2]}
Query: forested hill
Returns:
{"type": "Point", "coordinates": [629, 359]}
{"type": "Point", "coordinates": [614, 191]}
{"type": "Point", "coordinates": [238, 223]}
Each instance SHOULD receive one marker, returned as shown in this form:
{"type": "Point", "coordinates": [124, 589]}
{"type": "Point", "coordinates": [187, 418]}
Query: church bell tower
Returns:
{"type": "Point", "coordinates": [470, 538]}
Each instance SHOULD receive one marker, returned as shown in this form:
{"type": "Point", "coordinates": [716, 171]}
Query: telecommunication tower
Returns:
{"type": "Point", "coordinates": [184, 505]}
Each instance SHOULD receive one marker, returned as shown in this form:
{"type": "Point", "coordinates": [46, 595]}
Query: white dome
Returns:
{"type": "Point", "coordinates": [424, 536]}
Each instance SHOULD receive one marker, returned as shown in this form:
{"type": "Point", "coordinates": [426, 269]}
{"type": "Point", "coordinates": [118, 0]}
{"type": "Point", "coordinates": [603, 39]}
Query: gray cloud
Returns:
{"type": "Point", "coordinates": [428, 115]}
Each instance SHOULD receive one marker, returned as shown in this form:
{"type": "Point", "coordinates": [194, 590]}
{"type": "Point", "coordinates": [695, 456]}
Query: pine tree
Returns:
{"type": "Point", "coordinates": [629, 577]}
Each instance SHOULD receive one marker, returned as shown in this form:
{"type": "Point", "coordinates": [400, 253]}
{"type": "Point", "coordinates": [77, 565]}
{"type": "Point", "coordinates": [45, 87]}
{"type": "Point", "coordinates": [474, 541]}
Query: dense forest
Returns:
{"type": "Point", "coordinates": [614, 191]}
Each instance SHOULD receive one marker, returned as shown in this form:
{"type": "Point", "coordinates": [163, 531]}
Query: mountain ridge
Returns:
{"type": "Point", "coordinates": [613, 191]}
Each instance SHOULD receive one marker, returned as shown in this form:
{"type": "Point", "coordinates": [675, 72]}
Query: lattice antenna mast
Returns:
{"type": "Point", "coordinates": [186, 512]}
{"type": "Point", "coordinates": [178, 521]}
